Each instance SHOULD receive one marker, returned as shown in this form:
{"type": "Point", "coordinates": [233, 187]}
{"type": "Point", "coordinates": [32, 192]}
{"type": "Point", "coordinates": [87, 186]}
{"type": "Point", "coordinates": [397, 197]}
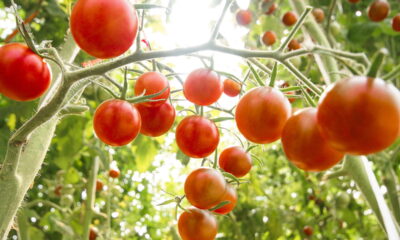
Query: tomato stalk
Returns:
{"type": "Point", "coordinates": [215, 32]}
{"type": "Point", "coordinates": [393, 74]}
{"type": "Point", "coordinates": [273, 75]}
{"type": "Point", "coordinates": [377, 62]}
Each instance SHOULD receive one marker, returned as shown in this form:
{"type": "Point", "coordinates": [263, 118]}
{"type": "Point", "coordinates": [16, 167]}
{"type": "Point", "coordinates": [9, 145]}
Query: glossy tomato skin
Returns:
{"type": "Point", "coordinates": [360, 115]}
{"type": "Point", "coordinates": [103, 28]}
{"type": "Point", "coordinates": [23, 76]}
{"type": "Point", "coordinates": [235, 160]}
{"type": "Point", "coordinates": [116, 122]}
{"type": "Point", "coordinates": [396, 23]}
{"type": "Point", "coordinates": [152, 83]}
{"type": "Point", "coordinates": [378, 10]}
{"type": "Point", "coordinates": [269, 38]}
{"type": "Point", "coordinates": [261, 114]}
{"type": "Point", "coordinates": [196, 224]}
{"type": "Point", "coordinates": [289, 19]}
{"type": "Point", "coordinates": [304, 145]}
{"type": "Point", "coordinates": [231, 88]}
{"type": "Point", "coordinates": [244, 17]}
{"type": "Point", "coordinates": [229, 196]}
{"type": "Point", "coordinates": [205, 187]}
{"type": "Point", "coordinates": [197, 137]}
{"type": "Point", "coordinates": [203, 87]}
{"type": "Point", "coordinates": [156, 121]}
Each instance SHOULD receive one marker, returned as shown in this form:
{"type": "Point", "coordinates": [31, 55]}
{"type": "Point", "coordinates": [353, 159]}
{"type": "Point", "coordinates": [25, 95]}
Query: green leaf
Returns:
{"type": "Point", "coordinates": [182, 157]}
{"type": "Point", "coordinates": [145, 149]}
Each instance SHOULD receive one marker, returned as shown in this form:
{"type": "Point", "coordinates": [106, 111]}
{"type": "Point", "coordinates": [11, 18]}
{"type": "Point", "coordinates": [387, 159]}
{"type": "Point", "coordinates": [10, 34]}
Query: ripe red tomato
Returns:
{"type": "Point", "coordinates": [353, 1]}
{"type": "Point", "coordinates": [103, 28]}
{"type": "Point", "coordinates": [99, 185]}
{"type": "Point", "coordinates": [202, 87]}
{"type": "Point", "coordinates": [57, 191]}
{"type": "Point", "coordinates": [116, 122]}
{"type": "Point", "coordinates": [319, 15]}
{"type": "Point", "coordinates": [23, 76]}
{"type": "Point", "coordinates": [261, 114]}
{"type": "Point", "coordinates": [294, 45]}
{"type": "Point", "coordinates": [205, 187]}
{"type": "Point", "coordinates": [93, 234]}
{"type": "Point", "coordinates": [378, 10]}
{"type": "Point", "coordinates": [156, 120]}
{"type": "Point", "coordinates": [196, 224]}
{"type": "Point", "coordinates": [289, 19]}
{"type": "Point", "coordinates": [304, 145]}
{"type": "Point", "coordinates": [308, 230]}
{"type": "Point", "coordinates": [152, 83]}
{"type": "Point", "coordinates": [269, 38]}
{"type": "Point", "coordinates": [396, 23]}
{"type": "Point", "coordinates": [231, 88]}
{"type": "Point", "coordinates": [244, 17]}
{"type": "Point", "coordinates": [197, 137]}
{"type": "Point", "coordinates": [231, 196]}
{"type": "Point", "coordinates": [113, 173]}
{"type": "Point", "coordinates": [360, 115]}
{"type": "Point", "coordinates": [235, 160]}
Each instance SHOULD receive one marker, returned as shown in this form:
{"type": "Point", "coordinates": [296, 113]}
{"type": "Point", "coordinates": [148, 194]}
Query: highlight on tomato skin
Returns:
{"type": "Point", "coordinates": [229, 196]}
{"type": "Point", "coordinates": [304, 145]}
{"type": "Point", "coordinates": [236, 161]}
{"type": "Point", "coordinates": [360, 115]}
{"type": "Point", "coordinates": [156, 121]}
{"type": "Point", "coordinates": [196, 224]}
{"type": "Point", "coordinates": [24, 76]}
{"type": "Point", "coordinates": [205, 187]}
{"type": "Point", "coordinates": [151, 83]}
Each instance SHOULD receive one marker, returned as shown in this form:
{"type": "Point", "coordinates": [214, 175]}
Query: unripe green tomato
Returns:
{"type": "Point", "coordinates": [66, 200]}
{"type": "Point", "coordinates": [342, 200]}
{"type": "Point", "coordinates": [336, 29]}
{"type": "Point", "coordinates": [89, 91]}
{"type": "Point", "coordinates": [67, 189]}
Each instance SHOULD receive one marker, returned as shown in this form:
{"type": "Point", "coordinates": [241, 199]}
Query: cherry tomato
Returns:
{"type": "Point", "coordinates": [269, 38]}
{"type": "Point", "coordinates": [308, 230]}
{"type": "Point", "coordinates": [202, 87]}
{"type": "Point", "coordinates": [396, 23]}
{"type": "Point", "coordinates": [152, 83]}
{"type": "Point", "coordinates": [229, 196]}
{"type": "Point", "coordinates": [99, 185]}
{"type": "Point", "coordinates": [205, 187]}
{"type": "Point", "coordinates": [378, 10]}
{"type": "Point", "coordinates": [244, 17]}
{"type": "Point", "coordinates": [294, 45]}
{"type": "Point", "coordinates": [23, 76]}
{"type": "Point", "coordinates": [271, 9]}
{"type": "Point", "coordinates": [93, 234]}
{"type": "Point", "coordinates": [304, 145]}
{"type": "Point", "coordinates": [57, 191]}
{"type": "Point", "coordinates": [231, 88]}
{"type": "Point", "coordinates": [261, 114]}
{"type": "Point", "coordinates": [289, 19]}
{"type": "Point", "coordinates": [353, 1]}
{"type": "Point", "coordinates": [196, 224]}
{"type": "Point", "coordinates": [113, 173]}
{"type": "Point", "coordinates": [197, 137]}
{"type": "Point", "coordinates": [116, 122]}
{"type": "Point", "coordinates": [103, 28]}
{"type": "Point", "coordinates": [360, 115]}
{"type": "Point", "coordinates": [156, 120]}
{"type": "Point", "coordinates": [319, 15]}
{"type": "Point", "coordinates": [235, 160]}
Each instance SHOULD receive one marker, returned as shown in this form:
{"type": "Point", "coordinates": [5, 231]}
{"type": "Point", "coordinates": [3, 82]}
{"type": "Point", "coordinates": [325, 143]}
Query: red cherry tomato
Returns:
{"type": "Point", "coordinates": [156, 120]}
{"type": "Point", "coordinates": [99, 185]}
{"type": "Point", "coordinates": [23, 75]}
{"type": "Point", "coordinates": [308, 230]}
{"type": "Point", "coordinates": [116, 122]}
{"type": "Point", "coordinates": [229, 196]}
{"type": "Point", "coordinates": [57, 191]}
{"type": "Point", "coordinates": [378, 10]}
{"type": "Point", "coordinates": [152, 83]}
{"type": "Point", "coordinates": [244, 17]}
{"type": "Point", "coordinates": [294, 45]}
{"type": "Point", "coordinates": [231, 88]}
{"type": "Point", "coordinates": [202, 87]}
{"type": "Point", "coordinates": [271, 9]}
{"type": "Point", "coordinates": [235, 161]}
{"type": "Point", "coordinates": [113, 173]}
{"type": "Point", "coordinates": [103, 28]}
{"type": "Point", "coordinates": [269, 38]}
{"type": "Point", "coordinates": [319, 15]}
{"type": "Point", "coordinates": [205, 187]}
{"type": "Point", "coordinates": [197, 137]}
{"type": "Point", "coordinates": [196, 224]}
{"type": "Point", "coordinates": [289, 19]}
{"type": "Point", "coordinates": [360, 115]}
{"type": "Point", "coordinates": [93, 234]}
{"type": "Point", "coordinates": [261, 114]}
{"type": "Point", "coordinates": [304, 145]}
{"type": "Point", "coordinates": [396, 23]}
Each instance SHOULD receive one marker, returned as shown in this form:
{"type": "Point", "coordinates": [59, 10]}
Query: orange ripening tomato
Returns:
{"type": "Point", "coordinates": [304, 145]}
{"type": "Point", "coordinates": [271, 9]}
{"type": "Point", "coordinates": [203, 87]}
{"type": "Point", "coordinates": [229, 196]}
{"type": "Point", "coordinates": [360, 115]}
{"type": "Point", "coordinates": [244, 17]}
{"type": "Point", "coordinates": [319, 15]}
{"type": "Point", "coordinates": [308, 230]}
{"type": "Point", "coordinates": [205, 187]}
{"type": "Point", "coordinates": [235, 160]}
{"type": "Point", "coordinates": [396, 23]}
{"type": "Point", "coordinates": [103, 28]}
{"type": "Point", "coordinates": [116, 122]}
{"type": "Point", "coordinates": [151, 83]}
{"type": "Point", "coordinates": [156, 120]}
{"type": "Point", "coordinates": [24, 76]}
{"type": "Point", "coordinates": [294, 45]}
{"type": "Point", "coordinates": [261, 114]}
{"type": "Point", "coordinates": [197, 137]}
{"type": "Point", "coordinates": [269, 38]}
{"type": "Point", "coordinates": [378, 10]}
{"type": "Point", "coordinates": [196, 224]}
{"type": "Point", "coordinates": [99, 185]}
{"type": "Point", "coordinates": [113, 173]}
{"type": "Point", "coordinates": [289, 19]}
{"type": "Point", "coordinates": [231, 88]}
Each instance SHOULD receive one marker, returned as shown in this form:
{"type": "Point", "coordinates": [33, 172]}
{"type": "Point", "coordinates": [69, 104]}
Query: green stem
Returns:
{"type": "Point", "coordinates": [393, 74]}
{"type": "Point", "coordinates": [221, 18]}
{"type": "Point", "coordinates": [391, 183]}
{"type": "Point", "coordinates": [273, 75]}
{"type": "Point", "coordinates": [377, 62]}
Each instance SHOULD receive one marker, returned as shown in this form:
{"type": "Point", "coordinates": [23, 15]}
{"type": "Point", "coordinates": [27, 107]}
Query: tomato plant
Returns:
{"type": "Point", "coordinates": [396, 23]}
{"type": "Point", "coordinates": [230, 197]}
{"type": "Point", "coordinates": [235, 160]}
{"type": "Point", "coordinates": [269, 38]}
{"type": "Point", "coordinates": [156, 121]}
{"type": "Point", "coordinates": [319, 15]}
{"type": "Point", "coordinates": [152, 83]}
{"type": "Point", "coordinates": [197, 224]}
{"type": "Point", "coordinates": [244, 17]}
{"type": "Point", "coordinates": [289, 18]}
{"type": "Point", "coordinates": [378, 10]}
{"type": "Point", "coordinates": [231, 88]}
{"type": "Point", "coordinates": [294, 45]}
{"type": "Point", "coordinates": [308, 230]}
{"type": "Point", "coordinates": [113, 173]}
